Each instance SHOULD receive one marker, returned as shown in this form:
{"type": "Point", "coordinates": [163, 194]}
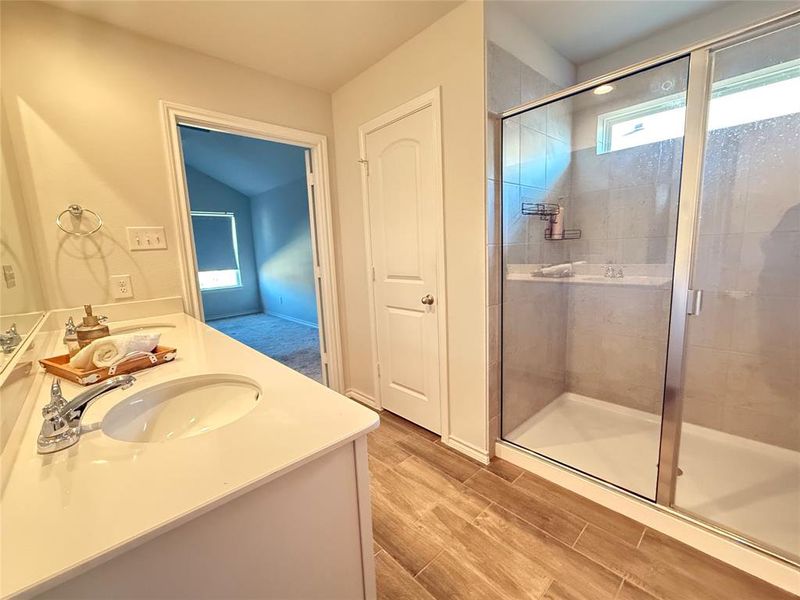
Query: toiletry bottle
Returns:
{"type": "Point", "coordinates": [91, 328]}
{"type": "Point", "coordinates": [71, 338]}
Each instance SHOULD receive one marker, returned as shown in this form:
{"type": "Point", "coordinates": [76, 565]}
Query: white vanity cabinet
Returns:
{"type": "Point", "coordinates": [273, 504]}
{"type": "Point", "coordinates": [305, 535]}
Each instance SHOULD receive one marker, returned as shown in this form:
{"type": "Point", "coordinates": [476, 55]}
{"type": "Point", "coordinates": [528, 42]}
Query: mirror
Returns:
{"type": "Point", "coordinates": [21, 299]}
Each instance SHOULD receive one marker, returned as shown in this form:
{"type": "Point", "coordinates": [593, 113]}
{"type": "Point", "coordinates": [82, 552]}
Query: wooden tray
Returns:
{"type": "Point", "coordinates": [59, 366]}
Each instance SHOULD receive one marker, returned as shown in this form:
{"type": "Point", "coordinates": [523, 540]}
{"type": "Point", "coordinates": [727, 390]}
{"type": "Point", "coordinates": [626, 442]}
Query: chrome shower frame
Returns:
{"type": "Point", "coordinates": [697, 95]}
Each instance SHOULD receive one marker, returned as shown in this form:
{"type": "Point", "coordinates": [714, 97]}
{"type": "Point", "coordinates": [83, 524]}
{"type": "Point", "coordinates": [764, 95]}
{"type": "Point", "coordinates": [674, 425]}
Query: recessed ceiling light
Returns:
{"type": "Point", "coordinates": [603, 89]}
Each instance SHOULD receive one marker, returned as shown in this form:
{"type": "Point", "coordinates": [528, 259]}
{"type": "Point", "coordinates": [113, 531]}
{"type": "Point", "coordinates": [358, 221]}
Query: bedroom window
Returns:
{"type": "Point", "coordinates": [217, 250]}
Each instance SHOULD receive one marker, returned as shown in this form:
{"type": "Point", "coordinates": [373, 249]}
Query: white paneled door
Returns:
{"type": "Point", "coordinates": [404, 207]}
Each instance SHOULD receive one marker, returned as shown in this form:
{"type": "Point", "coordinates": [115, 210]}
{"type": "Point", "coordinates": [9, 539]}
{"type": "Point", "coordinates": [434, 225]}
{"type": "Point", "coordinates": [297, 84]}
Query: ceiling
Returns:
{"type": "Point", "coordinates": [316, 43]}
{"type": "Point", "coordinates": [581, 30]}
{"type": "Point", "coordinates": [248, 165]}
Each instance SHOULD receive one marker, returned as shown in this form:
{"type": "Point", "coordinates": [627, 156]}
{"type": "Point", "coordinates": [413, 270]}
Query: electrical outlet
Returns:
{"type": "Point", "coordinates": [121, 287]}
{"type": "Point", "coordinates": [146, 238]}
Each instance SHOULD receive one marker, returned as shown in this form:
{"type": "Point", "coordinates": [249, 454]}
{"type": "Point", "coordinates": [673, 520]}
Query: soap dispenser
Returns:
{"type": "Point", "coordinates": [71, 337]}
{"type": "Point", "coordinates": [92, 327]}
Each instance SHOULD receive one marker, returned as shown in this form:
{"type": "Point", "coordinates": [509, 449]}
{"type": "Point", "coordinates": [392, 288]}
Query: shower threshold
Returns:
{"type": "Point", "coordinates": [743, 485]}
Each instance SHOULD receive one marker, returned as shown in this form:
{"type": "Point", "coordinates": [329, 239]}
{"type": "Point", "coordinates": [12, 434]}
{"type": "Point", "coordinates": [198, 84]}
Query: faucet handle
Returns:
{"type": "Point", "coordinates": [57, 400]}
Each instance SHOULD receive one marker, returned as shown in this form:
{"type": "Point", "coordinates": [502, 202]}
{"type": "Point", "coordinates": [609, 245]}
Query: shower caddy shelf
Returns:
{"type": "Point", "coordinates": [547, 212]}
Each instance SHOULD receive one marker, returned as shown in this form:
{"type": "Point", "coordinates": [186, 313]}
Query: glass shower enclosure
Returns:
{"type": "Point", "coordinates": [651, 282]}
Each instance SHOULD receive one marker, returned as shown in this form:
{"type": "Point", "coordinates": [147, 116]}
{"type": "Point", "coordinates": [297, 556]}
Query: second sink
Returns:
{"type": "Point", "coordinates": [181, 408]}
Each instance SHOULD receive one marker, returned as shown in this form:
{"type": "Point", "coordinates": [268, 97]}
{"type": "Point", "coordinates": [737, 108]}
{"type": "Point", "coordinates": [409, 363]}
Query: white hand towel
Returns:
{"type": "Point", "coordinates": [105, 351]}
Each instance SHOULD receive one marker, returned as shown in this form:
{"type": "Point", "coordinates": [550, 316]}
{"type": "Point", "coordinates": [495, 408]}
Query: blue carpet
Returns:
{"type": "Point", "coordinates": [293, 344]}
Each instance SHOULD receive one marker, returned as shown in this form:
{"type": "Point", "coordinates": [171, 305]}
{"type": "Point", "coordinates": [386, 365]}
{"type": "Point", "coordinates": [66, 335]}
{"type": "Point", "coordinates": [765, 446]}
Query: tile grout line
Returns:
{"type": "Point", "coordinates": [428, 564]}
{"type": "Point", "coordinates": [579, 536]}
{"type": "Point", "coordinates": [598, 563]}
{"type": "Point", "coordinates": [491, 504]}
{"type": "Point", "coordinates": [553, 504]}
{"type": "Point", "coordinates": [641, 537]}
{"type": "Point", "coordinates": [619, 588]}
{"type": "Point", "coordinates": [547, 589]}
{"type": "Point", "coordinates": [517, 478]}
{"type": "Point", "coordinates": [464, 483]}
{"type": "Point", "coordinates": [558, 541]}
{"type": "Point", "coordinates": [523, 519]}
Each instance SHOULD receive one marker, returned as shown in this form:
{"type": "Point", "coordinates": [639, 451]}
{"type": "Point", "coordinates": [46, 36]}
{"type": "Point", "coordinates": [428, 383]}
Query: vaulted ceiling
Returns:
{"type": "Point", "coordinates": [249, 166]}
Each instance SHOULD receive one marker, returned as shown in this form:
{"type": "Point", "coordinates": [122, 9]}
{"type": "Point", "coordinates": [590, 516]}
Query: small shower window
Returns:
{"type": "Point", "coordinates": [764, 94]}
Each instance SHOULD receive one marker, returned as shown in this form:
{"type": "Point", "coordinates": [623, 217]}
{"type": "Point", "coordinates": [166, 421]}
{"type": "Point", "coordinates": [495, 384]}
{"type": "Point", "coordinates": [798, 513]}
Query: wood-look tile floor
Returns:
{"type": "Point", "coordinates": [448, 527]}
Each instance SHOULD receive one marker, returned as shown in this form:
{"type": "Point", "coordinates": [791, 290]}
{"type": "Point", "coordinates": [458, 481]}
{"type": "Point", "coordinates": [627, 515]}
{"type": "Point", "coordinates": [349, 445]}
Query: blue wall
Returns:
{"type": "Point", "coordinates": [209, 194]}
{"type": "Point", "coordinates": [282, 235]}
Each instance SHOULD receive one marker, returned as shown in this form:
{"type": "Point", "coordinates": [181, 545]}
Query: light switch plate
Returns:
{"type": "Point", "coordinates": [121, 287]}
{"type": "Point", "coordinates": [146, 238]}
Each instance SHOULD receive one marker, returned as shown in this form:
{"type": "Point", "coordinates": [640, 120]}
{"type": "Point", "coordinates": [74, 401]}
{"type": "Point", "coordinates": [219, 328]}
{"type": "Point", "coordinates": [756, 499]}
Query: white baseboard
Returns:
{"type": "Point", "coordinates": [475, 453]}
{"type": "Point", "coordinates": [361, 397]}
{"type": "Point", "coordinates": [664, 520]}
{"type": "Point", "coordinates": [293, 319]}
{"type": "Point", "coordinates": [229, 316]}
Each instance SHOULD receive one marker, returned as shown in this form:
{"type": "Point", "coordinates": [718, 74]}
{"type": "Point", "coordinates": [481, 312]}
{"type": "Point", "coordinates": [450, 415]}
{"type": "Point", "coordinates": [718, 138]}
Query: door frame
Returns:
{"type": "Point", "coordinates": [175, 114]}
{"type": "Point", "coordinates": [430, 99]}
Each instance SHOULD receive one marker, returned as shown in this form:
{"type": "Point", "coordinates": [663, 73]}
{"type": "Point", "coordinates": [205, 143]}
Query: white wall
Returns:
{"type": "Point", "coordinates": [83, 107]}
{"type": "Point", "coordinates": [82, 102]}
{"type": "Point", "coordinates": [283, 249]}
{"type": "Point", "coordinates": [728, 18]}
{"type": "Point", "coordinates": [448, 54]}
{"type": "Point", "coordinates": [16, 249]}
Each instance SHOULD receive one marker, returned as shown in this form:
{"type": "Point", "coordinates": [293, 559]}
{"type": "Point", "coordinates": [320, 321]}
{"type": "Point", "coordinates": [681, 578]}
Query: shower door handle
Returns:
{"type": "Point", "coordinates": [694, 303]}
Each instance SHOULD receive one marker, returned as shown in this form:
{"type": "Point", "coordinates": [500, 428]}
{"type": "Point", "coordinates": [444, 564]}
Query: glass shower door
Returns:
{"type": "Point", "coordinates": [590, 202]}
{"type": "Point", "coordinates": [740, 437]}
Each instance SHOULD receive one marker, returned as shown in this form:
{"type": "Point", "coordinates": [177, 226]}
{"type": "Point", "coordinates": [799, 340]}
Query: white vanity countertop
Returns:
{"type": "Point", "coordinates": [63, 513]}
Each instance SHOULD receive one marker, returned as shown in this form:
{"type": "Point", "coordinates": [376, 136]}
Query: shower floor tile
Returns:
{"type": "Point", "coordinates": [743, 485]}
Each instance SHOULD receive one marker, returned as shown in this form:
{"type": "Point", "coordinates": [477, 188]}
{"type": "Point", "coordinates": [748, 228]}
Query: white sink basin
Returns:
{"type": "Point", "coordinates": [181, 408]}
{"type": "Point", "coordinates": [159, 327]}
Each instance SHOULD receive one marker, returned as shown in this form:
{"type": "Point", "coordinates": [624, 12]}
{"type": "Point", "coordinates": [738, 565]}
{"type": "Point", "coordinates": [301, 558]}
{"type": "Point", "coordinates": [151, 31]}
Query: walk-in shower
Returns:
{"type": "Point", "coordinates": [651, 282]}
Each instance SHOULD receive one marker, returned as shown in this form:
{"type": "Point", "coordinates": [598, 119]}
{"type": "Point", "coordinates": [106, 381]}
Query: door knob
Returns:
{"type": "Point", "coordinates": [427, 299]}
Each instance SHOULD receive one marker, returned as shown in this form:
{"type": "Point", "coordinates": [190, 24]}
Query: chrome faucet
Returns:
{"type": "Point", "coordinates": [62, 418]}
{"type": "Point", "coordinates": [10, 339]}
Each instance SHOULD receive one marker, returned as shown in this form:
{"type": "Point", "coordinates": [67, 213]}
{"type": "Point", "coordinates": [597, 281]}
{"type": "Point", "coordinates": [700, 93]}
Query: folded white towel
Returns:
{"type": "Point", "coordinates": [105, 351]}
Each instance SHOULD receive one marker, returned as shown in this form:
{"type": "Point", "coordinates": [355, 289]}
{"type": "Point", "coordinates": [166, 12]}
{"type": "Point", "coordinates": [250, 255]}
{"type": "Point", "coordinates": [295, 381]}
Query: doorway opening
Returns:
{"type": "Point", "coordinates": [252, 239]}
{"type": "Point", "coordinates": [253, 208]}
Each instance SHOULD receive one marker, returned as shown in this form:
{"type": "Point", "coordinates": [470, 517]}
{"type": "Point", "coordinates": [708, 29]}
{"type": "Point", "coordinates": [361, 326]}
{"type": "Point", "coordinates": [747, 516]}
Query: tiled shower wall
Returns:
{"type": "Point", "coordinates": [625, 203]}
{"type": "Point", "coordinates": [743, 354]}
{"type": "Point", "coordinates": [534, 344]}
{"type": "Point", "coordinates": [743, 357]}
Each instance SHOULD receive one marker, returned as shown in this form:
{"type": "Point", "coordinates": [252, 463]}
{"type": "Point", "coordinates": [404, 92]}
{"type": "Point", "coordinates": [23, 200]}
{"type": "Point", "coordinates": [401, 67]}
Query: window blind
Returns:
{"type": "Point", "coordinates": [214, 242]}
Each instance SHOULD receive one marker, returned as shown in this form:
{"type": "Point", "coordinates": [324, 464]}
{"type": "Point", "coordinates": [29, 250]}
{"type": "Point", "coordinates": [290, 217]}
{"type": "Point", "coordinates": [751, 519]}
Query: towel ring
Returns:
{"type": "Point", "coordinates": [76, 210]}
